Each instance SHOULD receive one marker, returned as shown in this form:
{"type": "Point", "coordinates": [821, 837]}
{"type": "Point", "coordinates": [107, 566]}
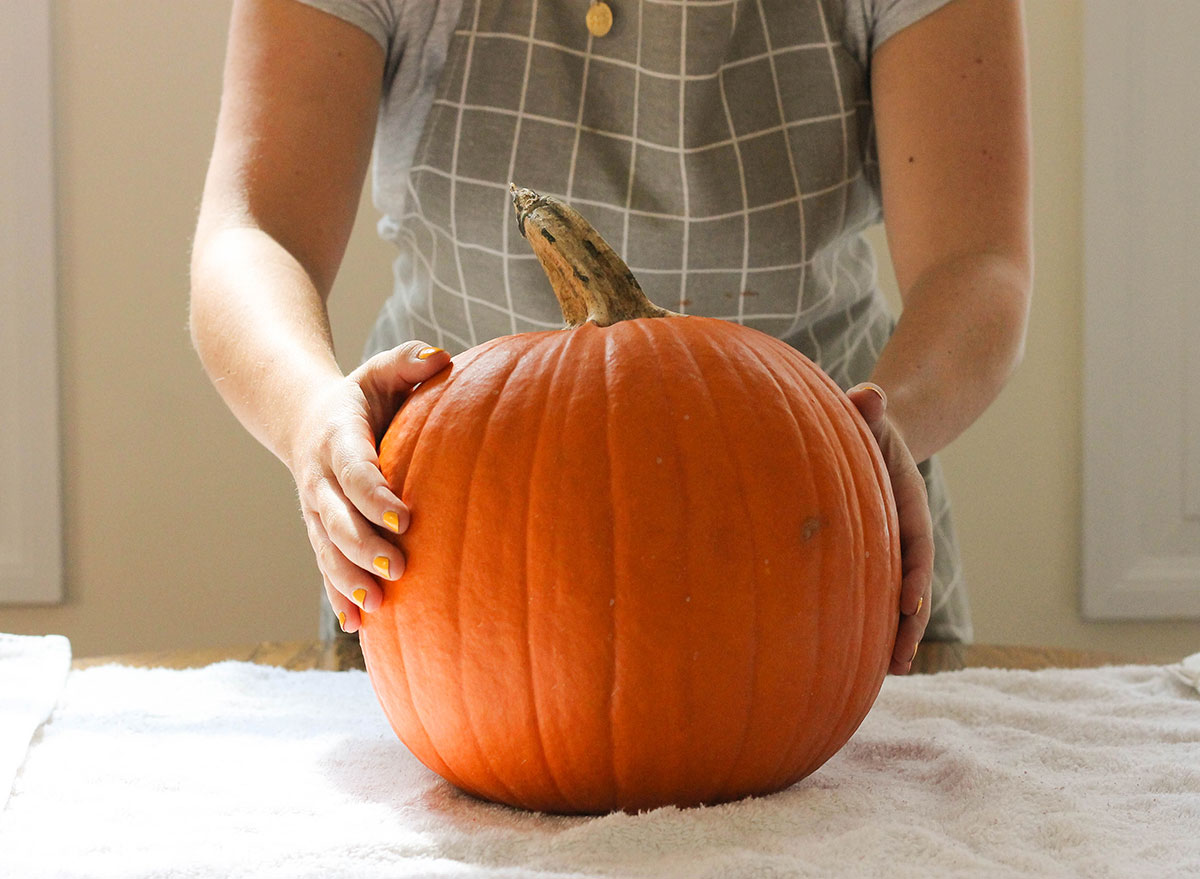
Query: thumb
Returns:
{"type": "Point", "coordinates": [388, 377]}
{"type": "Point", "coordinates": [871, 402]}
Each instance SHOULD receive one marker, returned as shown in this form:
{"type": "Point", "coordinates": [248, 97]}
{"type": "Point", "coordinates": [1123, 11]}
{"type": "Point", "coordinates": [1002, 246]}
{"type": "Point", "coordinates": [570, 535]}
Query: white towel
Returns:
{"type": "Point", "coordinates": [32, 672]}
{"type": "Point", "coordinates": [241, 770]}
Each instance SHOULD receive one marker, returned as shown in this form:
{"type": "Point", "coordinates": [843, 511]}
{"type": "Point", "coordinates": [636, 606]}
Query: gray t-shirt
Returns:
{"type": "Point", "coordinates": [725, 148]}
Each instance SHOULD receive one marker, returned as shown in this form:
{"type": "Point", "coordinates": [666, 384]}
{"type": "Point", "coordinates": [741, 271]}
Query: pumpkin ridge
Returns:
{"type": "Point", "coordinates": [851, 710]}
{"type": "Point", "coordinates": [776, 362]}
{"type": "Point", "coordinates": [621, 592]}
{"type": "Point", "coordinates": [562, 345]}
{"type": "Point", "coordinates": [482, 757]}
{"type": "Point", "coordinates": [747, 515]}
{"type": "Point", "coordinates": [414, 712]}
{"type": "Point", "coordinates": [819, 608]}
{"type": "Point", "coordinates": [836, 730]}
{"type": "Point", "coordinates": [817, 419]}
{"type": "Point", "coordinates": [656, 339]}
{"type": "Point", "coordinates": [537, 350]}
{"type": "Point", "coordinates": [686, 573]}
{"type": "Point", "coordinates": [846, 698]}
{"type": "Point", "coordinates": [463, 700]}
{"type": "Point", "coordinates": [870, 489]}
{"type": "Point", "coordinates": [459, 363]}
{"type": "Point", "coordinates": [814, 418]}
{"type": "Point", "coordinates": [641, 337]}
{"type": "Point", "coordinates": [617, 606]}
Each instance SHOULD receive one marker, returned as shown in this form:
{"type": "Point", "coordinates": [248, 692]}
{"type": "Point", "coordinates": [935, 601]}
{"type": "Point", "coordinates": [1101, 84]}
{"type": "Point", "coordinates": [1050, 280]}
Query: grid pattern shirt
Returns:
{"type": "Point", "coordinates": [723, 147]}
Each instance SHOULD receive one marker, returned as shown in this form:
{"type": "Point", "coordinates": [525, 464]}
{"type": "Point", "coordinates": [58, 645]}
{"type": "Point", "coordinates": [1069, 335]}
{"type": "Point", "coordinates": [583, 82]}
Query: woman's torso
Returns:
{"type": "Point", "coordinates": [724, 148]}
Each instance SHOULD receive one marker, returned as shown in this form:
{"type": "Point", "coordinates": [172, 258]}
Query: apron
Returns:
{"type": "Point", "coordinates": [723, 147]}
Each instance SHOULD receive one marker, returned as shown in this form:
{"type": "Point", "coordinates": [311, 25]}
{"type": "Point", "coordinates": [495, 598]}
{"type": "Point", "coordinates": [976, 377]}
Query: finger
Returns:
{"type": "Point", "coordinates": [909, 492]}
{"type": "Point", "coordinates": [360, 544]}
{"type": "Point", "coordinates": [871, 402]}
{"type": "Point", "coordinates": [360, 557]}
{"type": "Point", "coordinates": [914, 524]}
{"type": "Point", "coordinates": [916, 540]}
{"type": "Point", "coordinates": [355, 465]}
{"type": "Point", "coordinates": [346, 611]}
{"type": "Point", "coordinates": [391, 375]}
{"type": "Point", "coordinates": [908, 636]}
{"type": "Point", "coordinates": [349, 579]}
{"type": "Point", "coordinates": [916, 554]}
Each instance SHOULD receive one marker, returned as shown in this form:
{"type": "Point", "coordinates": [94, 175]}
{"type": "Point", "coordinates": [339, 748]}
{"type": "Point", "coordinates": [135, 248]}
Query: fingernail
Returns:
{"type": "Point", "coordinates": [392, 520]}
{"type": "Point", "coordinates": [426, 353]}
{"type": "Point", "coordinates": [342, 619]}
{"type": "Point", "coordinates": [383, 565]}
{"type": "Point", "coordinates": [914, 656]}
{"type": "Point", "coordinates": [871, 386]}
{"type": "Point", "coordinates": [360, 595]}
{"type": "Point", "coordinates": [920, 604]}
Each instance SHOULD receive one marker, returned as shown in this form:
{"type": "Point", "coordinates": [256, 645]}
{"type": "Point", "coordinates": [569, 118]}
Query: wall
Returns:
{"type": "Point", "coordinates": [181, 531]}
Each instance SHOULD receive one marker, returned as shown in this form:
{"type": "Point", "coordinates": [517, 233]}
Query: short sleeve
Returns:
{"type": "Point", "coordinates": [377, 17]}
{"type": "Point", "coordinates": [887, 18]}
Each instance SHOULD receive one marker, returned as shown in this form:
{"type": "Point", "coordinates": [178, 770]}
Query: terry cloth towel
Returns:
{"type": "Point", "coordinates": [32, 672]}
{"type": "Point", "coordinates": [241, 770]}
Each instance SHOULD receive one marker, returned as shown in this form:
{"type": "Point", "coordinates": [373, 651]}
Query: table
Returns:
{"type": "Point", "coordinates": [344, 654]}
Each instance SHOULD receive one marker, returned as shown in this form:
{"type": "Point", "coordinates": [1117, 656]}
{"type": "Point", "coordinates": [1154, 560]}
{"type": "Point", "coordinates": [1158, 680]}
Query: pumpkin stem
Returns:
{"type": "Point", "coordinates": [591, 282]}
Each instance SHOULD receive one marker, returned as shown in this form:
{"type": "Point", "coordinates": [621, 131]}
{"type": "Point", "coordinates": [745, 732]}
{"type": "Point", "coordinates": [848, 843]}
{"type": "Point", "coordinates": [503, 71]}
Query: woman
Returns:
{"type": "Point", "coordinates": [731, 150]}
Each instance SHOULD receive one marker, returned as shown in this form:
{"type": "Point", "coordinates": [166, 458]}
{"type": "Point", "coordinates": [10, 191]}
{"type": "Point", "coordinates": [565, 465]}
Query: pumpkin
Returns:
{"type": "Point", "coordinates": [653, 558]}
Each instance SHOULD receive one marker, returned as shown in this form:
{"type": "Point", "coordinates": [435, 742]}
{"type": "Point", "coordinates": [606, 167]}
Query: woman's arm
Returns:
{"type": "Point", "coordinates": [952, 115]}
{"type": "Point", "coordinates": [952, 122]}
{"type": "Point", "coordinates": [293, 142]}
{"type": "Point", "coordinates": [292, 146]}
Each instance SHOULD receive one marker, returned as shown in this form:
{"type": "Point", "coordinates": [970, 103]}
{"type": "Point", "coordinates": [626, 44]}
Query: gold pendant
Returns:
{"type": "Point", "coordinates": [599, 18]}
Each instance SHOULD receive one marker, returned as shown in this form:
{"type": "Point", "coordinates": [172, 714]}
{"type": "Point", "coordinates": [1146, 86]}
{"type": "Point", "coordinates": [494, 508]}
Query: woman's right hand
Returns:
{"type": "Point", "coordinates": [343, 494]}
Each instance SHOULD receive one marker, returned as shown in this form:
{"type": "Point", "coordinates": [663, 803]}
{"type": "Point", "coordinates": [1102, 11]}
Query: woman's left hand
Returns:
{"type": "Point", "coordinates": [916, 526]}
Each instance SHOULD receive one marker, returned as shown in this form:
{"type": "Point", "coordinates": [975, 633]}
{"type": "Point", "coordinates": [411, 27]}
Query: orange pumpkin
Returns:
{"type": "Point", "coordinates": [653, 558]}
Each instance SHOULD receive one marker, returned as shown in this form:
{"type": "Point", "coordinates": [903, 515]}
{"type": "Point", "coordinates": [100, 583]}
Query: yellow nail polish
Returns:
{"type": "Point", "coordinates": [920, 604]}
{"type": "Point", "coordinates": [360, 595]}
{"type": "Point", "coordinates": [383, 565]}
{"type": "Point", "coordinates": [871, 386]}
{"type": "Point", "coordinates": [427, 352]}
{"type": "Point", "coordinates": [392, 520]}
{"type": "Point", "coordinates": [915, 649]}
{"type": "Point", "coordinates": [342, 619]}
